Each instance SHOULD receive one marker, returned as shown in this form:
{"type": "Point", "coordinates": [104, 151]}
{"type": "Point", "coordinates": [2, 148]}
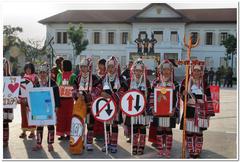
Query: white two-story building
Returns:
{"type": "Point", "coordinates": [113, 32]}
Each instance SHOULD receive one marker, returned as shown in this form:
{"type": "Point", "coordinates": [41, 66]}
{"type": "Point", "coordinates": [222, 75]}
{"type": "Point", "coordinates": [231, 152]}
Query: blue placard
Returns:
{"type": "Point", "coordinates": [41, 105]}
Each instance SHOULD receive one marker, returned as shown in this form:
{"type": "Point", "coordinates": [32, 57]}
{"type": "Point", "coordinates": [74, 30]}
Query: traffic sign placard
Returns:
{"type": "Point", "coordinates": [133, 103]}
{"type": "Point", "coordinates": [103, 109]}
{"type": "Point", "coordinates": [24, 86]}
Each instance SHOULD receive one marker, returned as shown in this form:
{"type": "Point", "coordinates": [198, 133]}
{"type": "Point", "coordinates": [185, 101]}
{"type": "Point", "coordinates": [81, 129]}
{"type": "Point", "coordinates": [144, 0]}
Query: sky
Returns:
{"type": "Point", "coordinates": [26, 14]}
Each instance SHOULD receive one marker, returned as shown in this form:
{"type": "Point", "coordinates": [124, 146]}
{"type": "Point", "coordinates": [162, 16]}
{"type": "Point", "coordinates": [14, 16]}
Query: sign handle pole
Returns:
{"type": "Point", "coordinates": [131, 136]}
{"type": "Point", "coordinates": [105, 134]}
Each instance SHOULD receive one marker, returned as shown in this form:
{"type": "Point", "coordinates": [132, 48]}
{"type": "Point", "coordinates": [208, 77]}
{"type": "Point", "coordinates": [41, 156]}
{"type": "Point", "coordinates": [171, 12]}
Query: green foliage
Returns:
{"type": "Point", "coordinates": [76, 35]}
{"type": "Point", "coordinates": [231, 47]}
{"type": "Point", "coordinates": [10, 38]}
{"type": "Point", "coordinates": [230, 44]}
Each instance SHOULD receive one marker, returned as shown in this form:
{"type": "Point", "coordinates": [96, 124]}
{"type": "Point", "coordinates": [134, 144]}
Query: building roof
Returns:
{"type": "Point", "coordinates": [211, 15]}
{"type": "Point", "coordinates": [130, 16]}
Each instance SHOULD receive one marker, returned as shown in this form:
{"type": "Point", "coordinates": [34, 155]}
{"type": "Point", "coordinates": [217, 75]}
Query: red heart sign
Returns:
{"type": "Point", "coordinates": [13, 87]}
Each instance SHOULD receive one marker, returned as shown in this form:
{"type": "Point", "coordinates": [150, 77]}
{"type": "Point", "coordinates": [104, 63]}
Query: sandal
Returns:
{"type": "Point", "coordinates": [104, 148]}
{"type": "Point", "coordinates": [37, 147]}
{"type": "Point", "coordinates": [140, 151]}
{"type": "Point", "coordinates": [22, 135]}
{"type": "Point", "coordinates": [134, 151]}
{"type": "Point", "coordinates": [61, 138]}
{"type": "Point", "coordinates": [50, 147]}
{"type": "Point", "coordinates": [114, 149]}
{"type": "Point", "coordinates": [31, 135]}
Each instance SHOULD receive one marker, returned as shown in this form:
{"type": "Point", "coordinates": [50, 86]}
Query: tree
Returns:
{"type": "Point", "coordinates": [76, 35]}
{"type": "Point", "coordinates": [11, 43]}
{"type": "Point", "coordinates": [10, 38]}
{"type": "Point", "coordinates": [231, 47]}
{"type": "Point", "coordinates": [33, 51]}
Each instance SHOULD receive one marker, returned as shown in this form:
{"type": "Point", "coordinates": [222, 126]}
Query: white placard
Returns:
{"type": "Point", "coordinates": [11, 88]}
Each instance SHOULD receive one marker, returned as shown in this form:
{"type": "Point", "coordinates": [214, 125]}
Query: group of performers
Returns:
{"type": "Point", "coordinates": [109, 82]}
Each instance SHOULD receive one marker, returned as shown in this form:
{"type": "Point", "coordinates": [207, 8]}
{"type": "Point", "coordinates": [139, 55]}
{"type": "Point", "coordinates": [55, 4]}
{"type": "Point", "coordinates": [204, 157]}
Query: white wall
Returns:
{"type": "Point", "coordinates": [105, 50]}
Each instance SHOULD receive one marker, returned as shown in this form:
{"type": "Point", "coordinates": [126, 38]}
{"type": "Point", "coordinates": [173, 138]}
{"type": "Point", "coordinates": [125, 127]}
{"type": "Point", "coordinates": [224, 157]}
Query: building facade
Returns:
{"type": "Point", "coordinates": [113, 32]}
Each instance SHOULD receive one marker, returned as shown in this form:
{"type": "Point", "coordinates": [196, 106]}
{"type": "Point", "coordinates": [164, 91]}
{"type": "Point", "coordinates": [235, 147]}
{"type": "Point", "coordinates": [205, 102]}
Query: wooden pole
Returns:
{"type": "Point", "coordinates": [189, 46]}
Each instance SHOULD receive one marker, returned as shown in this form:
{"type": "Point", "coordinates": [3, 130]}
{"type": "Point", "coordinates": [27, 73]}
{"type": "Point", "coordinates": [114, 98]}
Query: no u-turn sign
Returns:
{"type": "Point", "coordinates": [103, 109]}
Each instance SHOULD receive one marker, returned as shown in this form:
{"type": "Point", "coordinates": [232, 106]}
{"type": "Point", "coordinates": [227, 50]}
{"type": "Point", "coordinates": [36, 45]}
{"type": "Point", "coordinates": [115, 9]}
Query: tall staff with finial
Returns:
{"type": "Point", "coordinates": [50, 60]}
{"type": "Point", "coordinates": [189, 46]}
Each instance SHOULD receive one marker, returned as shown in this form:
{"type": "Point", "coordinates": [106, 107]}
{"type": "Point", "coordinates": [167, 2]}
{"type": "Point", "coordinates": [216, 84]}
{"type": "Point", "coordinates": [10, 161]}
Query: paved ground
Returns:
{"type": "Point", "coordinates": [219, 140]}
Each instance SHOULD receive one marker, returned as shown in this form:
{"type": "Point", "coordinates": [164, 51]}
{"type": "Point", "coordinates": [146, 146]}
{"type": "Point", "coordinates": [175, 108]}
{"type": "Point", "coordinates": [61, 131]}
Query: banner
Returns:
{"type": "Point", "coordinates": [215, 95]}
{"type": "Point", "coordinates": [11, 88]}
{"type": "Point", "coordinates": [42, 106]}
{"type": "Point", "coordinates": [163, 101]}
{"type": "Point", "coordinates": [65, 91]}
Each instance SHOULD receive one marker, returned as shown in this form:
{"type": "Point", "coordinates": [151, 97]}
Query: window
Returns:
{"type": "Point", "coordinates": [110, 37]}
{"type": "Point", "coordinates": [96, 38]}
{"type": "Point", "coordinates": [209, 38]}
{"type": "Point", "coordinates": [223, 36]}
{"type": "Point", "coordinates": [171, 56]}
{"type": "Point", "coordinates": [85, 35]}
{"type": "Point", "coordinates": [59, 37]}
{"type": "Point", "coordinates": [209, 62]}
{"type": "Point", "coordinates": [124, 37]}
{"type": "Point", "coordinates": [174, 36]}
{"type": "Point", "coordinates": [123, 61]}
{"type": "Point", "coordinates": [194, 37]}
{"type": "Point", "coordinates": [95, 59]}
{"type": "Point", "coordinates": [158, 35]}
{"type": "Point", "coordinates": [64, 37]}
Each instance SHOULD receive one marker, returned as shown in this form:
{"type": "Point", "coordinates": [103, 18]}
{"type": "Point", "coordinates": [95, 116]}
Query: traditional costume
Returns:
{"type": "Point", "coordinates": [198, 110]}
{"type": "Point", "coordinates": [7, 113]}
{"type": "Point", "coordinates": [115, 86]}
{"type": "Point", "coordinates": [89, 86]}
{"type": "Point", "coordinates": [164, 124]}
{"type": "Point", "coordinates": [98, 128]}
{"type": "Point", "coordinates": [64, 113]}
{"type": "Point", "coordinates": [51, 128]}
{"type": "Point", "coordinates": [28, 79]}
{"type": "Point", "coordinates": [141, 121]}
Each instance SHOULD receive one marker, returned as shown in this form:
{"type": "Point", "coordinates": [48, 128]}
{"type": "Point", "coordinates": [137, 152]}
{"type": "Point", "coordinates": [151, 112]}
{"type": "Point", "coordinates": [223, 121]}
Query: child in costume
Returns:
{"type": "Point", "coordinates": [44, 82]}
{"type": "Point", "coordinates": [139, 81]}
{"type": "Point", "coordinates": [29, 76]}
{"type": "Point", "coordinates": [113, 86]}
{"type": "Point", "coordinates": [87, 86]}
{"type": "Point", "coordinates": [64, 113]}
{"type": "Point", "coordinates": [164, 124]}
{"type": "Point", "coordinates": [198, 112]}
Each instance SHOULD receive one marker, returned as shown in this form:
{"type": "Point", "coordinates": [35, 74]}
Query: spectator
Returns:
{"type": "Point", "coordinates": [205, 75]}
{"type": "Point", "coordinates": [126, 72]}
{"type": "Point", "coordinates": [229, 77]}
{"type": "Point", "coordinates": [211, 76]}
{"type": "Point", "coordinates": [218, 77]}
{"type": "Point", "coordinates": [223, 75]}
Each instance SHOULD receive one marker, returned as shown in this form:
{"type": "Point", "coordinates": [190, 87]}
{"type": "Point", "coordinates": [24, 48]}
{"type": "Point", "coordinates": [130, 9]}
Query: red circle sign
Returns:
{"type": "Point", "coordinates": [103, 109]}
{"type": "Point", "coordinates": [133, 103]}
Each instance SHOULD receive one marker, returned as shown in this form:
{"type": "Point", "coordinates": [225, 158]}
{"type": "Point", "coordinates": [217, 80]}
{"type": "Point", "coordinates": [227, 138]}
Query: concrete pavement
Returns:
{"type": "Point", "coordinates": [219, 140]}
